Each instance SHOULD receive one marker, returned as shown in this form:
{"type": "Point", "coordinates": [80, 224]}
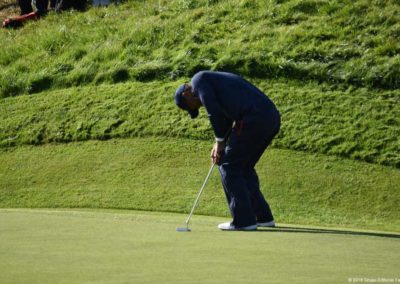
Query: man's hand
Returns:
{"type": "Point", "coordinates": [11, 23]}
{"type": "Point", "coordinates": [217, 151]}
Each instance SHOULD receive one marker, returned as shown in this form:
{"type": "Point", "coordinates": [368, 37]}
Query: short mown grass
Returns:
{"type": "Point", "coordinates": [110, 246]}
{"type": "Point", "coordinates": [166, 174]}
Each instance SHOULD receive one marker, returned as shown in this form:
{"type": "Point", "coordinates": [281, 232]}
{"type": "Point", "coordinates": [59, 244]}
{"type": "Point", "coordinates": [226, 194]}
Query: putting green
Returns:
{"type": "Point", "coordinates": [82, 246]}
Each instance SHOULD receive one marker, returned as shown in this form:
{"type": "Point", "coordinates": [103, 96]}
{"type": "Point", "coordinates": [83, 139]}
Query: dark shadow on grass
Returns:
{"type": "Point", "coordinates": [326, 231]}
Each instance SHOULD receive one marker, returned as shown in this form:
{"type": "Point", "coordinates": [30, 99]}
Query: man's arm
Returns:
{"type": "Point", "coordinates": [19, 20]}
{"type": "Point", "coordinates": [206, 93]}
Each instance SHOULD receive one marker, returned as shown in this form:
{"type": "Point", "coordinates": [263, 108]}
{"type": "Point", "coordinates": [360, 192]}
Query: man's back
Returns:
{"type": "Point", "coordinates": [229, 94]}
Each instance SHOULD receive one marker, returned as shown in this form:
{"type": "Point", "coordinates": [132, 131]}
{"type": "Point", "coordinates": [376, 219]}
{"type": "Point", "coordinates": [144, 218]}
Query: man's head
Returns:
{"type": "Point", "coordinates": [186, 100]}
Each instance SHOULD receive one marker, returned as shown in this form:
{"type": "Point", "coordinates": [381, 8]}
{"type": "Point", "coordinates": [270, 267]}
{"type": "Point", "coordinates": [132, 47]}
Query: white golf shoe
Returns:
{"type": "Point", "coordinates": [270, 224]}
{"type": "Point", "coordinates": [228, 226]}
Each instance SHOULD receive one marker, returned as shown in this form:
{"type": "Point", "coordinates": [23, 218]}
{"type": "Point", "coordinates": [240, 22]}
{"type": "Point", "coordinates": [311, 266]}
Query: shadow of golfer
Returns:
{"type": "Point", "coordinates": [287, 229]}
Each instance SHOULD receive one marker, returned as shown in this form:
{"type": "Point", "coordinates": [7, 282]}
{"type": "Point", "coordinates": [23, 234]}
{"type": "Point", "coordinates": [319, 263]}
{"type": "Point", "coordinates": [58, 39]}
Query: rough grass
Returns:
{"type": "Point", "coordinates": [8, 8]}
{"type": "Point", "coordinates": [316, 118]}
{"type": "Point", "coordinates": [331, 66]}
{"type": "Point", "coordinates": [348, 42]}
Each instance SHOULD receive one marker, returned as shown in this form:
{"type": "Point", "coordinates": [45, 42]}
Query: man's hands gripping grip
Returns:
{"type": "Point", "coordinates": [217, 152]}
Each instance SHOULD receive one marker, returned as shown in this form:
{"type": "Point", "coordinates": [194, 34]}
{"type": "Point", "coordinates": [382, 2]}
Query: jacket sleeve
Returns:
{"type": "Point", "coordinates": [205, 91]}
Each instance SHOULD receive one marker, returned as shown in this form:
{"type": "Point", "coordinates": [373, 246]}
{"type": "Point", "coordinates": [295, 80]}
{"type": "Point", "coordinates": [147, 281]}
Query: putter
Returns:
{"type": "Point", "coordinates": [186, 228]}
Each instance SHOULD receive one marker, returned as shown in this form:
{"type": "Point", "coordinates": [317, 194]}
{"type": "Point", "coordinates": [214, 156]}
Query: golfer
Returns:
{"type": "Point", "coordinates": [231, 100]}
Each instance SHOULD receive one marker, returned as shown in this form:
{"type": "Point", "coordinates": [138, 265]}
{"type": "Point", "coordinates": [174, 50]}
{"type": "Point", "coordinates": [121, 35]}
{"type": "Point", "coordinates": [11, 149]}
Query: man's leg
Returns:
{"type": "Point", "coordinates": [237, 195]}
{"type": "Point", "coordinates": [260, 205]}
{"type": "Point", "coordinates": [42, 6]}
{"type": "Point", "coordinates": [25, 6]}
{"type": "Point", "coordinates": [244, 144]}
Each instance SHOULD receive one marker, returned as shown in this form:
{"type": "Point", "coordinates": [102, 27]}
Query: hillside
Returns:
{"type": "Point", "coordinates": [333, 69]}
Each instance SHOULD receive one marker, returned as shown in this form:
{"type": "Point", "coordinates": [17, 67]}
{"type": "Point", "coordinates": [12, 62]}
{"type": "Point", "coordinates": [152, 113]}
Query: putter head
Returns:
{"type": "Point", "coordinates": [183, 230]}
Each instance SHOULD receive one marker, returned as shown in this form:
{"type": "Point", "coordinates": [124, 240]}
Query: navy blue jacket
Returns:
{"type": "Point", "coordinates": [228, 97]}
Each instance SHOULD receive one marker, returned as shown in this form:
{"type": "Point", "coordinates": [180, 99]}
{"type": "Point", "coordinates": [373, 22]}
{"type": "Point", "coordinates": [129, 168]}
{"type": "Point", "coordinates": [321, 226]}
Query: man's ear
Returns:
{"type": "Point", "coordinates": [188, 91]}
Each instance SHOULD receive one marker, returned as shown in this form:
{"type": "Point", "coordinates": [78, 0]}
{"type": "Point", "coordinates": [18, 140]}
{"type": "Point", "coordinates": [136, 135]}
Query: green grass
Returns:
{"type": "Point", "coordinates": [87, 120]}
{"type": "Point", "coordinates": [42, 246]}
{"type": "Point", "coordinates": [166, 174]}
{"type": "Point", "coordinates": [312, 118]}
{"type": "Point", "coordinates": [331, 66]}
{"type": "Point", "coordinates": [339, 42]}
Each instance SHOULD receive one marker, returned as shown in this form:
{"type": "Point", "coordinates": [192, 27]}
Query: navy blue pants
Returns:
{"type": "Point", "coordinates": [26, 6]}
{"type": "Point", "coordinates": [248, 141]}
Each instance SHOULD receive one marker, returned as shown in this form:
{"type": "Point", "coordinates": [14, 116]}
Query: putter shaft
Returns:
{"type": "Point", "coordinates": [198, 196]}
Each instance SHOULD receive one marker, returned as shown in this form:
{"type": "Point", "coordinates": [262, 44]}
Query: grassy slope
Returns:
{"type": "Point", "coordinates": [166, 174]}
{"type": "Point", "coordinates": [312, 118]}
{"type": "Point", "coordinates": [331, 67]}
{"type": "Point", "coordinates": [342, 41]}
{"type": "Point", "coordinates": [137, 247]}
{"type": "Point", "coordinates": [337, 65]}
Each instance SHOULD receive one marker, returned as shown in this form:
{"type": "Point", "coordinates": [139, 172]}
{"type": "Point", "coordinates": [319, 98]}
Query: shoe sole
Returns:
{"type": "Point", "coordinates": [267, 224]}
{"type": "Point", "coordinates": [248, 228]}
